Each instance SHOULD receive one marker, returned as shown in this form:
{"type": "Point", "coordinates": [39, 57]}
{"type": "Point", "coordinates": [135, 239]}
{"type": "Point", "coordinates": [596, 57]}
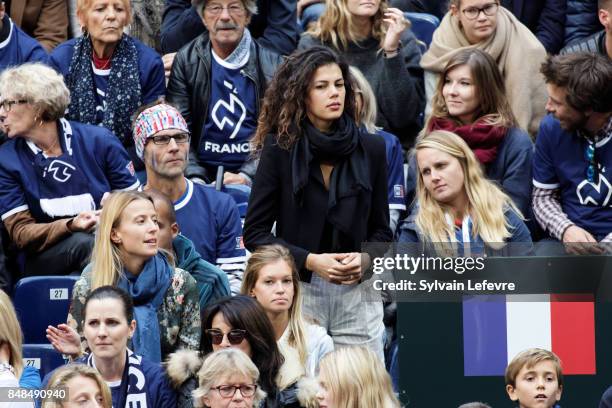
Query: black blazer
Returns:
{"type": "Point", "coordinates": [300, 228]}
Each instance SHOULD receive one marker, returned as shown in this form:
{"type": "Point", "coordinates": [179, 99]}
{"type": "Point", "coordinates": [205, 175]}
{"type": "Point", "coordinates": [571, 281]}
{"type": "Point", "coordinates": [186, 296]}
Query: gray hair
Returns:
{"type": "Point", "coordinates": [40, 85]}
{"type": "Point", "coordinates": [223, 364]}
{"type": "Point", "coordinates": [199, 5]}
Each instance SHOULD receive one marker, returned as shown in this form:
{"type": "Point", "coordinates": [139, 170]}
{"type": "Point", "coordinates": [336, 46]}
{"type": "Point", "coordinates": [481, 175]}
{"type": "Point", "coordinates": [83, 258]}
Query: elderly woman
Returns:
{"type": "Point", "coordinates": [375, 38]}
{"type": "Point", "coordinates": [54, 173]}
{"type": "Point", "coordinates": [109, 73]}
{"type": "Point", "coordinates": [228, 377]}
{"type": "Point", "coordinates": [485, 25]}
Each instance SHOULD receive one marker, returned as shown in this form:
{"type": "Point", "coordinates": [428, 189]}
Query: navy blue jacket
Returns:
{"type": "Point", "coordinates": [581, 20]}
{"type": "Point", "coordinates": [274, 25]}
{"type": "Point", "coordinates": [545, 18]}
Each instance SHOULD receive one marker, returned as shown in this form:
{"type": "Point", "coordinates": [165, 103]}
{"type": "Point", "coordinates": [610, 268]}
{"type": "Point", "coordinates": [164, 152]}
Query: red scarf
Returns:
{"type": "Point", "coordinates": [483, 139]}
{"type": "Point", "coordinates": [101, 63]}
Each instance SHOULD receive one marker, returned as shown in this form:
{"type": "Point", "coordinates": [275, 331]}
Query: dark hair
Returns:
{"type": "Point", "coordinates": [603, 4]}
{"type": "Point", "coordinates": [587, 78]}
{"type": "Point", "coordinates": [284, 104]}
{"type": "Point", "coordinates": [244, 312]}
{"type": "Point", "coordinates": [112, 292]}
{"type": "Point", "coordinates": [156, 196]}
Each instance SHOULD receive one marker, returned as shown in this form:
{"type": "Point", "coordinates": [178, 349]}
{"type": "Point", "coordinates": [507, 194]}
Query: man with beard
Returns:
{"type": "Point", "coordinates": [209, 218]}
{"type": "Point", "coordinates": [217, 82]}
{"type": "Point", "coordinates": [572, 167]}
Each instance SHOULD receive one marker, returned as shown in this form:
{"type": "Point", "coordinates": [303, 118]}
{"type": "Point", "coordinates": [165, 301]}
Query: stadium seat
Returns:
{"type": "Point", "coordinates": [423, 26]}
{"type": "Point", "coordinates": [41, 301]}
{"type": "Point", "coordinates": [43, 357]}
{"type": "Point", "coordinates": [240, 193]}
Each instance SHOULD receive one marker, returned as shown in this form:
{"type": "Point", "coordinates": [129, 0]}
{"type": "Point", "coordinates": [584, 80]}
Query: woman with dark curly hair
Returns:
{"type": "Point", "coordinates": [323, 181]}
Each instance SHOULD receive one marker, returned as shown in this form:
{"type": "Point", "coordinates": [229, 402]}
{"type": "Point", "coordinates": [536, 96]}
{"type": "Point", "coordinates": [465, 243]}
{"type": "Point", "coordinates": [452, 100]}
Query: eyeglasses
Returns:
{"type": "Point", "coordinates": [227, 391]}
{"type": "Point", "coordinates": [592, 169]}
{"type": "Point", "coordinates": [472, 13]}
{"type": "Point", "coordinates": [234, 9]}
{"type": "Point", "coordinates": [179, 138]}
{"type": "Point", "coordinates": [235, 336]}
{"type": "Point", "coordinates": [7, 105]}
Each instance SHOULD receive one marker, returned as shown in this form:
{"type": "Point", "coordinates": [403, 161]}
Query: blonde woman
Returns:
{"type": "Point", "coordinates": [456, 203]}
{"type": "Point", "coordinates": [354, 377]}
{"type": "Point", "coordinates": [272, 278]}
{"type": "Point", "coordinates": [78, 385]}
{"type": "Point", "coordinates": [518, 53]}
{"type": "Point", "coordinates": [12, 372]}
{"type": "Point", "coordinates": [126, 255]}
{"type": "Point", "coordinates": [376, 39]}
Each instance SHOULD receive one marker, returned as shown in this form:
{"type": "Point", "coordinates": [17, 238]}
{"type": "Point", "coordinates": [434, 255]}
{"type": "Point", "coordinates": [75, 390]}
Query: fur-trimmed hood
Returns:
{"type": "Point", "coordinates": [181, 365]}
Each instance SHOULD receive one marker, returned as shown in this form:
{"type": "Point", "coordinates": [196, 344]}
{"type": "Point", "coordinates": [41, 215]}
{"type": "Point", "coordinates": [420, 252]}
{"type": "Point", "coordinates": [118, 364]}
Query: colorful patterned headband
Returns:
{"type": "Point", "coordinates": [155, 119]}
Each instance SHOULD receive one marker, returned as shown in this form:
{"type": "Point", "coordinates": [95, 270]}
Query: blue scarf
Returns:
{"type": "Point", "coordinates": [123, 96]}
{"type": "Point", "coordinates": [133, 391]}
{"type": "Point", "coordinates": [148, 290]}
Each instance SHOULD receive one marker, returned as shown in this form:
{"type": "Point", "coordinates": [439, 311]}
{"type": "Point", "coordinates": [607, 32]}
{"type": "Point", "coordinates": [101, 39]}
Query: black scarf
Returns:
{"type": "Point", "coordinates": [341, 148]}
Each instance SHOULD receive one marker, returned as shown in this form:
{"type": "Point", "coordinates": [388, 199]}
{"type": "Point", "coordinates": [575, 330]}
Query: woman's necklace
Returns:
{"type": "Point", "coordinates": [101, 63]}
{"type": "Point", "coordinates": [49, 150]}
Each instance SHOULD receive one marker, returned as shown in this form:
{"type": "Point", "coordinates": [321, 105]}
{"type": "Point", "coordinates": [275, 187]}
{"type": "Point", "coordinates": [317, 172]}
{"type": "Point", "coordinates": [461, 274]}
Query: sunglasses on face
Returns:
{"type": "Point", "coordinates": [235, 336]}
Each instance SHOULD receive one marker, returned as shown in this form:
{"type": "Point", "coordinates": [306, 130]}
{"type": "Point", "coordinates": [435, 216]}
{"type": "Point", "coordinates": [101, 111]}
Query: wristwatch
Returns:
{"type": "Point", "coordinates": [6, 367]}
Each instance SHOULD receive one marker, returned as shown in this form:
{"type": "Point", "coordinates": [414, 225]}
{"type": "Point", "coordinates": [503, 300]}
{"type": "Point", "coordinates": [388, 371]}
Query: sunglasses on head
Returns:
{"type": "Point", "coordinates": [235, 336]}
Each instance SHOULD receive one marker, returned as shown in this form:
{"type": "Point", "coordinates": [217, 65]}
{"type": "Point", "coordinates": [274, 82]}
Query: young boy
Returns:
{"type": "Point", "coordinates": [534, 379]}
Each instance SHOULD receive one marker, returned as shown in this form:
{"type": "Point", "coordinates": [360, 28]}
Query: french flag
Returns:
{"type": "Point", "coordinates": [496, 328]}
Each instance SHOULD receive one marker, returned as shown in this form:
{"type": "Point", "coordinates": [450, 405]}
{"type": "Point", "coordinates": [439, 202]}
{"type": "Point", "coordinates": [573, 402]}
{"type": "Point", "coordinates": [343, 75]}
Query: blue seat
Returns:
{"type": "Point", "coordinates": [423, 26]}
{"type": "Point", "coordinates": [240, 193]}
{"type": "Point", "coordinates": [41, 301]}
{"type": "Point", "coordinates": [43, 357]}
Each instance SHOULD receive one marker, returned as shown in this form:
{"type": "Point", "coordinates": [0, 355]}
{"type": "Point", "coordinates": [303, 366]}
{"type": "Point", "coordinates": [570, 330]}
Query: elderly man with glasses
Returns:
{"type": "Point", "coordinates": [209, 218]}
{"type": "Point", "coordinates": [217, 82]}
